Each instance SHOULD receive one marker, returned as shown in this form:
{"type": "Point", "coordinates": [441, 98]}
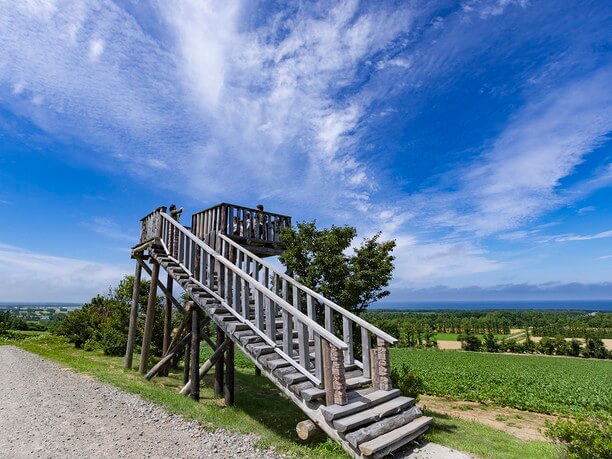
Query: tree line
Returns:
{"type": "Point", "coordinates": [565, 324]}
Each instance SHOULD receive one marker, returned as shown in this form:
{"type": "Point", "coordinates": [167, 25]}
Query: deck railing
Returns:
{"type": "Point", "coordinates": [241, 223]}
{"type": "Point", "coordinates": [316, 307]}
{"type": "Point", "coordinates": [236, 285]}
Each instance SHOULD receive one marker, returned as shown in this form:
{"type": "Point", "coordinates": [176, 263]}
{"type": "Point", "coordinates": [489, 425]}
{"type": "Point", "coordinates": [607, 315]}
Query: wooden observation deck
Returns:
{"type": "Point", "coordinates": [256, 230]}
{"type": "Point", "coordinates": [331, 363]}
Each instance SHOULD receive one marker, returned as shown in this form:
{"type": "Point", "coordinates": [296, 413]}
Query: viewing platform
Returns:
{"type": "Point", "coordinates": [254, 229]}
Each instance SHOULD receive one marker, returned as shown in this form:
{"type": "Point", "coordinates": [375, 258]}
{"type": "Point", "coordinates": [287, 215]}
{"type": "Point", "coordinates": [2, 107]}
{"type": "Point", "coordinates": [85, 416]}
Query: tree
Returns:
{"type": "Point", "coordinates": [318, 260]}
{"type": "Point", "coordinates": [104, 321]}
{"type": "Point", "coordinates": [469, 341]}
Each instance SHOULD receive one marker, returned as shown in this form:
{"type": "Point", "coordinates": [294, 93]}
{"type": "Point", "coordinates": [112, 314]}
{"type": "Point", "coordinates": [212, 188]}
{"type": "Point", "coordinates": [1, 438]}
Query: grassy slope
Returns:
{"type": "Point", "coordinates": [539, 383]}
{"type": "Point", "coordinates": [260, 408]}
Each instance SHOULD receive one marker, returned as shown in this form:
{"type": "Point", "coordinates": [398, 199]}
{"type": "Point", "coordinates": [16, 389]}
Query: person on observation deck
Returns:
{"type": "Point", "coordinates": [261, 222]}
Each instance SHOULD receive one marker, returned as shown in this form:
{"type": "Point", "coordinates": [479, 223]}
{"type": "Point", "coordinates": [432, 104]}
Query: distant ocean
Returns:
{"type": "Point", "coordinates": [573, 305]}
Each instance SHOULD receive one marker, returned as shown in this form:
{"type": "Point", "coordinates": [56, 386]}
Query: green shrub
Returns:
{"type": "Point", "coordinates": [407, 381]}
{"type": "Point", "coordinates": [469, 341]}
{"type": "Point", "coordinates": [103, 322]}
{"type": "Point", "coordinates": [586, 438]}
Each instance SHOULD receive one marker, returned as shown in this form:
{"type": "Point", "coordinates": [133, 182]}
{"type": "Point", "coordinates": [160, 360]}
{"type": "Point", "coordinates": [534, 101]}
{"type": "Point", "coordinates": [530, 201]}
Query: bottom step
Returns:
{"type": "Point", "coordinates": [383, 445]}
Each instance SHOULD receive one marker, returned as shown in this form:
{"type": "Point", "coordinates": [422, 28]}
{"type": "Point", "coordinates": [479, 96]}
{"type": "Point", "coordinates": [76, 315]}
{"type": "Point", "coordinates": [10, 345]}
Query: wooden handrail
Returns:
{"type": "Point", "coordinates": [294, 312]}
{"type": "Point", "coordinates": [250, 209]}
{"type": "Point", "coordinates": [359, 321]}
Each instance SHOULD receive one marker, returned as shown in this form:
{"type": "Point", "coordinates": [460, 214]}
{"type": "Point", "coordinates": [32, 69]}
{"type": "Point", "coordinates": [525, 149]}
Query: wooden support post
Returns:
{"type": "Point", "coordinates": [195, 355]}
{"type": "Point", "coordinates": [374, 368]}
{"type": "Point", "coordinates": [187, 358]}
{"type": "Point", "coordinates": [167, 322]}
{"type": "Point", "coordinates": [168, 357]}
{"type": "Point", "coordinates": [219, 365]}
{"type": "Point", "coordinates": [148, 330]}
{"type": "Point", "coordinates": [327, 373]}
{"type": "Point", "coordinates": [207, 366]}
{"type": "Point", "coordinates": [229, 374]}
{"type": "Point", "coordinates": [384, 365]}
{"type": "Point", "coordinates": [129, 350]}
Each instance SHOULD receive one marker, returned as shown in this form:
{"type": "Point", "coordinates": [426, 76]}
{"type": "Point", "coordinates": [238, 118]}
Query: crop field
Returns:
{"type": "Point", "coordinates": [545, 384]}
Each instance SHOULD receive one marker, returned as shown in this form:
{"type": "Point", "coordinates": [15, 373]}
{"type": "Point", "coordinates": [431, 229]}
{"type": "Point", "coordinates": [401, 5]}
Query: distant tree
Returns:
{"type": "Point", "coordinates": [490, 343]}
{"type": "Point", "coordinates": [469, 341]}
{"type": "Point", "coordinates": [104, 321]}
{"type": "Point", "coordinates": [318, 259]}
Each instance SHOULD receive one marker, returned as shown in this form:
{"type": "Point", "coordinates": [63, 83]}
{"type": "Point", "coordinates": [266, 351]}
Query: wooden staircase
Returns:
{"type": "Point", "coordinates": [300, 340]}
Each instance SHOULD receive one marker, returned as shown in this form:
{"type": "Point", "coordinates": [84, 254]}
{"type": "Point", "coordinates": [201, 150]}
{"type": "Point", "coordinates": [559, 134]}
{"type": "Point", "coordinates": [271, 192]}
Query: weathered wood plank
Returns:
{"type": "Point", "coordinates": [373, 414]}
{"type": "Point", "coordinates": [390, 441]}
{"type": "Point", "coordinates": [383, 426]}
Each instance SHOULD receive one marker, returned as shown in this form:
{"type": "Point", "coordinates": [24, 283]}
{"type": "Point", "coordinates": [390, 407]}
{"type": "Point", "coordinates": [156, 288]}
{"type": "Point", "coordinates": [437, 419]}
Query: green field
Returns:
{"type": "Point", "coordinates": [545, 384]}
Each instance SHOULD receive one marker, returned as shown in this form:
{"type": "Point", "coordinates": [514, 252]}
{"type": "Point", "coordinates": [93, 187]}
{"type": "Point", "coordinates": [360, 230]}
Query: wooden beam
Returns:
{"type": "Point", "coordinates": [148, 331]}
{"type": "Point", "coordinates": [306, 429]}
{"type": "Point", "coordinates": [163, 288]}
{"type": "Point", "coordinates": [195, 355]}
{"type": "Point", "coordinates": [129, 351]}
{"type": "Point", "coordinates": [219, 365]}
{"type": "Point", "coordinates": [172, 352]}
{"type": "Point", "coordinates": [167, 320]}
{"type": "Point", "coordinates": [187, 357]}
{"type": "Point", "coordinates": [229, 375]}
{"type": "Point", "coordinates": [206, 366]}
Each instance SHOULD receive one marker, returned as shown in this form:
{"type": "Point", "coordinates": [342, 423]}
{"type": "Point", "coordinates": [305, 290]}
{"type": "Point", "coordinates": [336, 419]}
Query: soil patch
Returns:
{"type": "Point", "coordinates": [524, 425]}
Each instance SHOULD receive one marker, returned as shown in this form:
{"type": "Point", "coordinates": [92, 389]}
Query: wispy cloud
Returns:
{"type": "Point", "coordinates": [32, 276]}
{"type": "Point", "coordinates": [109, 228]}
{"type": "Point", "coordinates": [518, 178]}
{"type": "Point", "coordinates": [605, 257]}
{"type": "Point", "coordinates": [588, 237]}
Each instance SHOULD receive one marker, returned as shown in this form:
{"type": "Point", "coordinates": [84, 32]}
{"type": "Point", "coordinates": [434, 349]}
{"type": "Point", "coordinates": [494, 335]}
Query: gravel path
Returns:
{"type": "Point", "coordinates": [46, 411]}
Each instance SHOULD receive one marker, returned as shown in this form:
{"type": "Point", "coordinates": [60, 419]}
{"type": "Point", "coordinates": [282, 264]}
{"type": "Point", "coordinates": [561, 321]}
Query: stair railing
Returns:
{"type": "Point", "coordinates": [235, 286]}
{"type": "Point", "coordinates": [300, 294]}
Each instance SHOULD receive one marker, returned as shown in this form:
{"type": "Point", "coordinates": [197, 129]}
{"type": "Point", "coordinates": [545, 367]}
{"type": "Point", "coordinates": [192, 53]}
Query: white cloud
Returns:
{"type": "Point", "coordinates": [31, 276]}
{"type": "Point", "coordinates": [589, 237]}
{"type": "Point", "coordinates": [96, 48]}
{"type": "Point", "coordinates": [584, 210]}
{"type": "Point", "coordinates": [605, 257]}
{"type": "Point", "coordinates": [518, 178]}
{"type": "Point", "coordinates": [419, 262]}
{"type": "Point", "coordinates": [107, 227]}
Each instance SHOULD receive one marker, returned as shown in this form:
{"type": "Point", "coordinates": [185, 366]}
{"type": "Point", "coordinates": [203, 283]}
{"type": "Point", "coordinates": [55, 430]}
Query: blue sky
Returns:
{"type": "Point", "coordinates": [475, 133]}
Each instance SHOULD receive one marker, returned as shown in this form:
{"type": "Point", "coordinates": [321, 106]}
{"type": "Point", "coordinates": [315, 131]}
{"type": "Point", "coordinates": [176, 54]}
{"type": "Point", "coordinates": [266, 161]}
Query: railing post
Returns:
{"type": "Point", "coordinates": [338, 379]}
{"type": "Point", "coordinates": [384, 365]}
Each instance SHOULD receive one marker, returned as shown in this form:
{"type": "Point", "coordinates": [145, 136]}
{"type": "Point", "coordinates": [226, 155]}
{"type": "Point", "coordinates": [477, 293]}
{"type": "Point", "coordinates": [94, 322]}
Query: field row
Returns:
{"type": "Point", "coordinates": [528, 382]}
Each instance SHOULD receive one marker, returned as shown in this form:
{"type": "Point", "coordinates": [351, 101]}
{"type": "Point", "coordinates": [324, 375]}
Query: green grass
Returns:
{"type": "Point", "coordinates": [544, 384]}
{"type": "Point", "coordinates": [261, 409]}
{"type": "Point", "coordinates": [484, 441]}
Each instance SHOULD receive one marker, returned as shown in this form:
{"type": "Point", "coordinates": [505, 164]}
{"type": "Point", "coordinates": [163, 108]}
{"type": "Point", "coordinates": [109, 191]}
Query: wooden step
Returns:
{"type": "Point", "coordinates": [374, 414]}
{"type": "Point", "coordinates": [383, 445]}
{"type": "Point", "coordinates": [383, 426]}
{"type": "Point", "coordinates": [354, 383]}
{"type": "Point", "coordinates": [259, 349]}
{"type": "Point", "coordinates": [358, 404]}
